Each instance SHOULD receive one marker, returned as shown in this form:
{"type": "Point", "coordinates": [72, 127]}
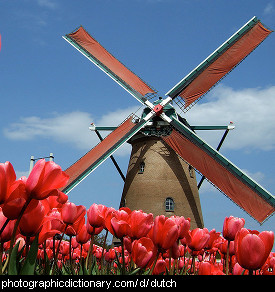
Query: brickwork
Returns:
{"type": "Point", "coordinates": [164, 175]}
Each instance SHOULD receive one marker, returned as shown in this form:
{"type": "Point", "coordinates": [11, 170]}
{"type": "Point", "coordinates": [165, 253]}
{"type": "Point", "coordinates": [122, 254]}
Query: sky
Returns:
{"type": "Point", "coordinates": [50, 93]}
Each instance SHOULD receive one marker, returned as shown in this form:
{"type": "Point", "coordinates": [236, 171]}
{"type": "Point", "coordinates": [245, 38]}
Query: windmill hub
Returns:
{"type": "Point", "coordinates": [157, 126]}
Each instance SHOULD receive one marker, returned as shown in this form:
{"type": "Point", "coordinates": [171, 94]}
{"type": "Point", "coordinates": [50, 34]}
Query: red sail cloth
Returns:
{"type": "Point", "coordinates": [228, 183]}
{"type": "Point", "coordinates": [224, 64]}
{"type": "Point", "coordinates": [80, 166]}
{"type": "Point", "coordinates": [82, 38]}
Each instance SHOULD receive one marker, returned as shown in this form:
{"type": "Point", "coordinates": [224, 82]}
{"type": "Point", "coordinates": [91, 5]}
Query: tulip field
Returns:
{"type": "Point", "coordinates": [43, 233]}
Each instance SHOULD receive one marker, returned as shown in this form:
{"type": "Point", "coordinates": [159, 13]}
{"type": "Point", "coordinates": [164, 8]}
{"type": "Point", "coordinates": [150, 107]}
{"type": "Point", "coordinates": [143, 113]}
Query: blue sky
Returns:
{"type": "Point", "coordinates": [50, 93]}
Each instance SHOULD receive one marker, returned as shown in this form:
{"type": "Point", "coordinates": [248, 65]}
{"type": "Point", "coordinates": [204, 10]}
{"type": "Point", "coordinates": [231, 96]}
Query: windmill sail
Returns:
{"type": "Point", "coordinates": [90, 48]}
{"type": "Point", "coordinates": [92, 159]}
{"type": "Point", "coordinates": [232, 181]}
{"type": "Point", "coordinates": [208, 73]}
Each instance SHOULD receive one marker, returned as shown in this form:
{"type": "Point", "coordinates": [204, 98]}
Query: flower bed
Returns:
{"type": "Point", "coordinates": [43, 233]}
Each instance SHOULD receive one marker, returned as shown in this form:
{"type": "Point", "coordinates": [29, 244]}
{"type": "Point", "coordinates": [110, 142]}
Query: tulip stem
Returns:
{"type": "Point", "coordinates": [16, 226]}
{"type": "Point", "coordinates": [123, 258]}
{"type": "Point", "coordinates": [4, 225]}
{"type": "Point", "coordinates": [1, 255]}
{"type": "Point", "coordinates": [227, 258]}
{"type": "Point", "coordinates": [89, 255]}
{"type": "Point", "coordinates": [102, 254]}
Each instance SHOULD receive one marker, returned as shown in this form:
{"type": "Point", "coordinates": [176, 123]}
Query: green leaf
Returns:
{"type": "Point", "coordinates": [134, 271]}
{"type": "Point", "coordinates": [29, 265]}
{"type": "Point", "coordinates": [12, 269]}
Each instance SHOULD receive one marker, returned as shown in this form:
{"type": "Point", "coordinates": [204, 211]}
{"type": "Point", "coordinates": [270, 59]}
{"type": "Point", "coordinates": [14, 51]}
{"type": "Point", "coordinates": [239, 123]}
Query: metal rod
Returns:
{"type": "Point", "coordinates": [218, 148]}
{"type": "Point", "coordinates": [112, 158]}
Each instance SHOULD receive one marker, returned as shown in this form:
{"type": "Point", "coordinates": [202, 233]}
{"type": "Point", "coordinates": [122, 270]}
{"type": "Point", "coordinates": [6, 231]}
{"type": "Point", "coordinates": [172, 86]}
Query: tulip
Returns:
{"type": "Point", "coordinates": [183, 225]}
{"type": "Point", "coordinates": [164, 232]}
{"type": "Point", "coordinates": [206, 268]}
{"type": "Point", "coordinates": [252, 249]}
{"type": "Point", "coordinates": [93, 230]}
{"type": "Point", "coordinates": [82, 236]}
{"type": "Point", "coordinates": [71, 213]}
{"type": "Point", "coordinates": [31, 222]}
{"type": "Point", "coordinates": [7, 178]}
{"type": "Point", "coordinates": [15, 201]}
{"type": "Point", "coordinates": [95, 215]}
{"type": "Point", "coordinates": [140, 223]}
{"type": "Point", "coordinates": [143, 252]}
{"type": "Point", "coordinates": [8, 229]}
{"type": "Point", "coordinates": [231, 226]}
{"type": "Point", "coordinates": [214, 236]}
{"type": "Point", "coordinates": [160, 267]}
{"type": "Point", "coordinates": [44, 180]}
{"type": "Point", "coordinates": [110, 255]}
{"type": "Point", "coordinates": [117, 222]}
{"type": "Point", "coordinates": [198, 239]}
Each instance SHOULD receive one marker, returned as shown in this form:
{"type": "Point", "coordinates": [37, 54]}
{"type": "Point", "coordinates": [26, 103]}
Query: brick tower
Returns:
{"type": "Point", "coordinates": [158, 181]}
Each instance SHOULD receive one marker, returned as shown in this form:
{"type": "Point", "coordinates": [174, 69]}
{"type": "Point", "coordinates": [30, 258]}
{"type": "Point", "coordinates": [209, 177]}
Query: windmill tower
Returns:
{"type": "Point", "coordinates": [158, 181]}
{"type": "Point", "coordinates": [165, 148]}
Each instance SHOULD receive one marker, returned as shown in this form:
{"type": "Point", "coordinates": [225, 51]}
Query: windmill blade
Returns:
{"type": "Point", "coordinates": [92, 159]}
{"type": "Point", "coordinates": [90, 48]}
{"type": "Point", "coordinates": [222, 61]}
{"type": "Point", "coordinates": [227, 177]}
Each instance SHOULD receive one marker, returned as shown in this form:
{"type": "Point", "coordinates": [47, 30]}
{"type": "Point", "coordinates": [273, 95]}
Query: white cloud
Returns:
{"type": "Point", "coordinates": [269, 9]}
{"type": "Point", "coordinates": [251, 110]}
{"type": "Point", "coordinates": [47, 3]}
{"type": "Point", "coordinates": [72, 128]}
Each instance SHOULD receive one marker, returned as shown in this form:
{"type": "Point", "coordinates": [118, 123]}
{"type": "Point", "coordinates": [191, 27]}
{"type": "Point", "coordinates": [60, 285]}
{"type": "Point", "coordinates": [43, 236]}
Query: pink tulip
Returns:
{"type": "Point", "coordinates": [231, 226]}
{"type": "Point", "coordinates": [96, 214]}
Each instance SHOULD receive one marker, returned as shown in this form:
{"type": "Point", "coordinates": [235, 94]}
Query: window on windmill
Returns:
{"type": "Point", "coordinates": [169, 205]}
{"type": "Point", "coordinates": [141, 167]}
{"type": "Point", "coordinates": [191, 172]}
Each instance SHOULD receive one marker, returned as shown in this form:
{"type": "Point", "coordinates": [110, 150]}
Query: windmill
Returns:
{"type": "Point", "coordinates": [165, 148]}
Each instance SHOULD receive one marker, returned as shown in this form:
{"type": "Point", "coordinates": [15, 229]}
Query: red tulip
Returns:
{"type": "Point", "coordinates": [252, 250]}
{"type": "Point", "coordinates": [140, 223]}
{"type": "Point", "coordinates": [96, 215]}
{"type": "Point", "coordinates": [223, 245]}
{"type": "Point", "coordinates": [143, 252]}
{"type": "Point", "coordinates": [206, 268]}
{"type": "Point", "coordinates": [15, 201]}
{"type": "Point", "coordinates": [231, 226]}
{"type": "Point", "coordinates": [110, 255]}
{"type": "Point", "coordinates": [82, 236]}
{"type": "Point", "coordinates": [164, 232]}
{"type": "Point", "coordinates": [214, 236]}
{"type": "Point", "coordinates": [7, 232]}
{"type": "Point", "coordinates": [93, 230]}
{"type": "Point", "coordinates": [198, 239]}
{"type": "Point", "coordinates": [7, 178]}
{"type": "Point", "coordinates": [44, 180]}
{"type": "Point", "coordinates": [31, 222]}
{"type": "Point", "coordinates": [71, 213]}
{"type": "Point", "coordinates": [160, 267]}
{"type": "Point", "coordinates": [183, 225]}
{"type": "Point", "coordinates": [117, 222]}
